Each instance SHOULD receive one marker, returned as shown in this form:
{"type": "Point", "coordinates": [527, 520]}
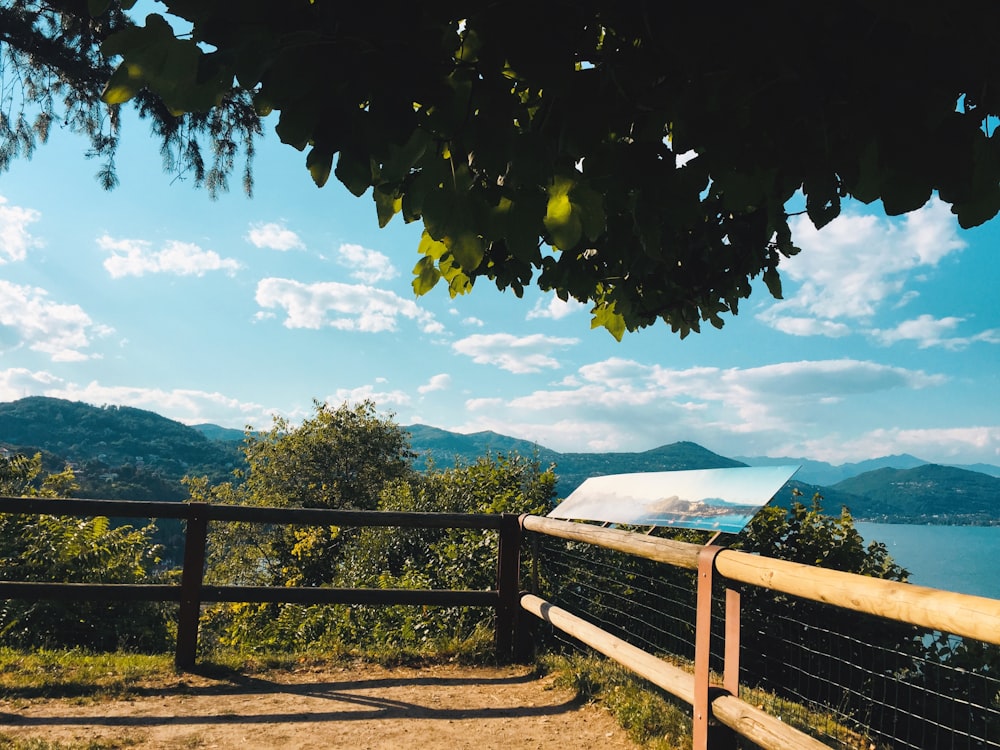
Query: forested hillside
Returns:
{"type": "Point", "coordinates": [443, 448]}
{"type": "Point", "coordinates": [122, 452]}
{"type": "Point", "coordinates": [115, 451]}
{"type": "Point", "coordinates": [925, 494]}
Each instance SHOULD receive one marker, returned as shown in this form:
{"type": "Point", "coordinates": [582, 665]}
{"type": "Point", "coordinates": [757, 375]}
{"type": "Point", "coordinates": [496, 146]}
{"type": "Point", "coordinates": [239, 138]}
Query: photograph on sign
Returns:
{"type": "Point", "coordinates": [721, 500]}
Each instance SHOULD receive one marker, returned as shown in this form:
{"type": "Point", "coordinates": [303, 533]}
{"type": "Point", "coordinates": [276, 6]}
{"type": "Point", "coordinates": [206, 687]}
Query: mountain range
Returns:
{"type": "Point", "coordinates": [123, 452]}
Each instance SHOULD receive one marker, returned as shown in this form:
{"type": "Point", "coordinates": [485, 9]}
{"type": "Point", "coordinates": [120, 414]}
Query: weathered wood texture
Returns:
{"type": "Point", "coordinates": [752, 723]}
{"type": "Point", "coordinates": [974, 617]}
{"type": "Point", "coordinates": [678, 554]}
{"type": "Point", "coordinates": [964, 615]}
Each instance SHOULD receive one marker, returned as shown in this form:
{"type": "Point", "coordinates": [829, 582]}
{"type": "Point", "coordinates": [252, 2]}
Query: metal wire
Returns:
{"type": "Point", "coordinates": [854, 680]}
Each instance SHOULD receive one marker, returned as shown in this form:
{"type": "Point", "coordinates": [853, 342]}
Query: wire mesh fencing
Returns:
{"type": "Point", "coordinates": [853, 680]}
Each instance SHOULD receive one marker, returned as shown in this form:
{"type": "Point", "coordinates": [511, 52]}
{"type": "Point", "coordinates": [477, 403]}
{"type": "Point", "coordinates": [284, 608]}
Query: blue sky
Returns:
{"type": "Point", "coordinates": [154, 296]}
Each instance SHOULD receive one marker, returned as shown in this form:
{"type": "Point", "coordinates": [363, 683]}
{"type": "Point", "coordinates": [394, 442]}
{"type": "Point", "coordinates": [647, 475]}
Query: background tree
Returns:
{"type": "Point", "coordinates": [61, 549]}
{"type": "Point", "coordinates": [339, 458]}
{"type": "Point", "coordinates": [351, 457]}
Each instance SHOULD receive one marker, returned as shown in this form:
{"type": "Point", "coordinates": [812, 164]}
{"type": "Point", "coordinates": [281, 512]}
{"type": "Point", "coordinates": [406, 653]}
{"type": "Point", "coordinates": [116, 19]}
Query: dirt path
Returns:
{"type": "Point", "coordinates": [368, 707]}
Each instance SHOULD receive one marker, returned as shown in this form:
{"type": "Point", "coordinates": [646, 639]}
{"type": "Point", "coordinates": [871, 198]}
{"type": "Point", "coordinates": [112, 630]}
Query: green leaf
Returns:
{"type": "Point", "coordinates": [574, 210]}
{"type": "Point", "coordinates": [387, 205]}
{"type": "Point", "coordinates": [124, 83]}
{"type": "Point", "coordinates": [319, 162]}
{"type": "Point", "coordinates": [973, 213]}
{"type": "Point", "coordinates": [606, 317]}
{"type": "Point", "coordinates": [355, 171]}
{"type": "Point", "coordinates": [773, 280]}
{"type": "Point", "coordinates": [458, 280]}
{"type": "Point", "coordinates": [296, 125]}
{"type": "Point", "coordinates": [902, 193]}
{"type": "Point", "coordinates": [402, 159]}
{"type": "Point", "coordinates": [589, 206]}
{"type": "Point", "coordinates": [822, 200]}
{"type": "Point", "coordinates": [426, 275]}
{"type": "Point", "coordinates": [467, 249]}
{"type": "Point", "coordinates": [561, 221]}
{"type": "Point", "coordinates": [866, 187]}
{"type": "Point", "coordinates": [431, 247]}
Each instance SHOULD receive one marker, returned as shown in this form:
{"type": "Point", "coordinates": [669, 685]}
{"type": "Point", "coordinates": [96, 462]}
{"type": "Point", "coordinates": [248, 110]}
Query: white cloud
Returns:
{"type": "Point", "coordinates": [798, 326]}
{"type": "Point", "coordinates": [273, 236]}
{"type": "Point", "coordinates": [20, 382]}
{"type": "Point", "coordinates": [15, 239]}
{"type": "Point", "coordinates": [621, 404]}
{"type": "Point", "coordinates": [471, 321]}
{"type": "Point", "coordinates": [555, 309]}
{"type": "Point", "coordinates": [368, 266]}
{"type": "Point", "coordinates": [856, 263]}
{"type": "Point", "coordinates": [57, 330]}
{"type": "Point", "coordinates": [484, 404]}
{"type": "Point", "coordinates": [135, 258]}
{"type": "Point", "coordinates": [439, 382]}
{"type": "Point", "coordinates": [381, 398]}
{"type": "Point", "coordinates": [352, 307]}
{"type": "Point", "coordinates": [945, 445]}
{"type": "Point", "coordinates": [517, 354]}
{"type": "Point", "coordinates": [928, 331]}
{"type": "Point", "coordinates": [187, 406]}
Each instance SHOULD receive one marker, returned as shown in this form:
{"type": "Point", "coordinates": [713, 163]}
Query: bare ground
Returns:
{"type": "Point", "coordinates": [361, 708]}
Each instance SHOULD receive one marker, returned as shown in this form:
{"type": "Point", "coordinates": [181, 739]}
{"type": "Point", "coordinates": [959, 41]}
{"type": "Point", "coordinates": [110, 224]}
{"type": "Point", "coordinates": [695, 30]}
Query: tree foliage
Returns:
{"type": "Point", "coordinates": [339, 458]}
{"type": "Point", "coordinates": [641, 158]}
{"type": "Point", "coordinates": [352, 457]}
{"type": "Point", "coordinates": [53, 73]}
{"type": "Point", "coordinates": [61, 549]}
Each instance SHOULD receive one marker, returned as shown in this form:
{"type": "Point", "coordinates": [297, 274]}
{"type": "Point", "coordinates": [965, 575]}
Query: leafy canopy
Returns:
{"type": "Point", "coordinates": [53, 73]}
{"type": "Point", "coordinates": [541, 143]}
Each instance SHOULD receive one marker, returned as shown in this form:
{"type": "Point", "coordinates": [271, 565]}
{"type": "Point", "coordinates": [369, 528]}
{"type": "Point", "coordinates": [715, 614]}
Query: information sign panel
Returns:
{"type": "Point", "coordinates": [721, 500]}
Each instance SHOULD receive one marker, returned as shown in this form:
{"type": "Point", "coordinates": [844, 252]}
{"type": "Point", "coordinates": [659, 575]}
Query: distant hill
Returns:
{"type": "Point", "coordinates": [119, 451]}
{"type": "Point", "coordinates": [116, 451]}
{"type": "Point", "coordinates": [925, 494]}
{"type": "Point", "coordinates": [993, 471]}
{"type": "Point", "coordinates": [825, 474]}
{"type": "Point", "coordinates": [222, 434]}
{"type": "Point", "coordinates": [445, 448]}
{"type": "Point", "coordinates": [574, 468]}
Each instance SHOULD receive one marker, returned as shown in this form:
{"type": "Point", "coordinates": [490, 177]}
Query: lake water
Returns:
{"type": "Point", "coordinates": [965, 559]}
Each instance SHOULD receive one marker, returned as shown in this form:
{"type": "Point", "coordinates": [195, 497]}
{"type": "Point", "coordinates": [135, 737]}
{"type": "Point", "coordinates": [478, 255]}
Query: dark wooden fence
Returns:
{"type": "Point", "coordinates": [967, 616]}
{"type": "Point", "coordinates": [191, 593]}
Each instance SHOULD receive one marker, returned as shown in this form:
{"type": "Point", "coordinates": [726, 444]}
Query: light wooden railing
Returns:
{"type": "Point", "coordinates": [973, 617]}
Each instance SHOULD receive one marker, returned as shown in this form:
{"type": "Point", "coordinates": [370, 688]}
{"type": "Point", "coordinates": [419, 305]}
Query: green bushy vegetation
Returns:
{"type": "Point", "coordinates": [351, 457]}
{"type": "Point", "coordinates": [80, 550]}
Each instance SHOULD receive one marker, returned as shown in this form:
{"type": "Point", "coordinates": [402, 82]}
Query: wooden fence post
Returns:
{"type": "Point", "coordinates": [704, 736]}
{"type": "Point", "coordinates": [192, 575]}
{"type": "Point", "coordinates": [508, 586]}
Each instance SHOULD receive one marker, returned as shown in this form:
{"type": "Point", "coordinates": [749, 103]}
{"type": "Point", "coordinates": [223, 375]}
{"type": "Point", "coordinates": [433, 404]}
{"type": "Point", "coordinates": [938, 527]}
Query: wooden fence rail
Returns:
{"type": "Point", "coordinates": [964, 615]}
{"type": "Point", "coordinates": [192, 592]}
{"type": "Point", "coordinates": [973, 617]}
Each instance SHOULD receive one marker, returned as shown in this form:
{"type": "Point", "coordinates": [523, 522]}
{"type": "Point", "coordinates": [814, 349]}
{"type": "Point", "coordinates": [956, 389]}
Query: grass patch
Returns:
{"type": "Point", "coordinates": [654, 718]}
{"type": "Point", "coordinates": [649, 715]}
{"type": "Point", "coordinates": [7, 742]}
{"type": "Point", "coordinates": [27, 675]}
{"type": "Point", "coordinates": [66, 674]}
